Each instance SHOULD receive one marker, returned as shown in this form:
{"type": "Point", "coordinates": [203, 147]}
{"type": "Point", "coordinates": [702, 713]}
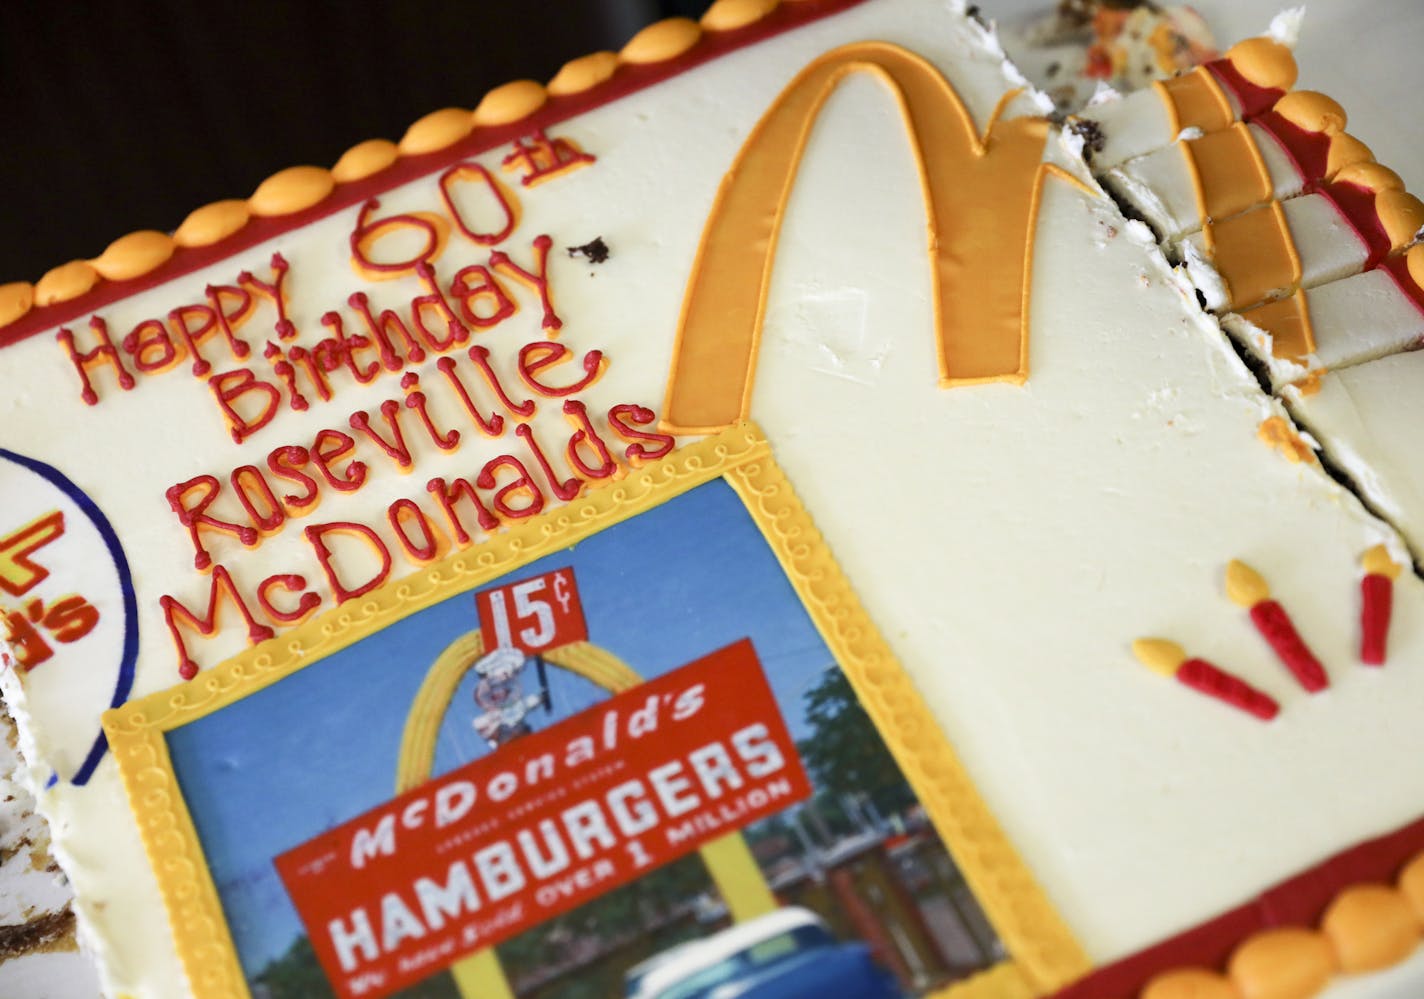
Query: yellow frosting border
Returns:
{"type": "Point", "coordinates": [1043, 953]}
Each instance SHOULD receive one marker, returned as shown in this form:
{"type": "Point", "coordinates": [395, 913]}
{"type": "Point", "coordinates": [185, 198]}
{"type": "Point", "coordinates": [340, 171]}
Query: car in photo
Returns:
{"type": "Point", "coordinates": [786, 954]}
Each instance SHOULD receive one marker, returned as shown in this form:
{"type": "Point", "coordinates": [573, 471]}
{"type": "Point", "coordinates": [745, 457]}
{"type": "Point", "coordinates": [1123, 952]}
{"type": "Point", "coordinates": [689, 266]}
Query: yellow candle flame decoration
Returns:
{"type": "Point", "coordinates": [1159, 655]}
{"type": "Point", "coordinates": [1244, 585]}
{"type": "Point", "coordinates": [1377, 562]}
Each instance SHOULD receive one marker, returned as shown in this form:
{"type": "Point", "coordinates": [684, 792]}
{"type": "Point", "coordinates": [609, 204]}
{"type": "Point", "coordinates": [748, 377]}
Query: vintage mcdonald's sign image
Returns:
{"type": "Point", "coordinates": [513, 838]}
{"type": "Point", "coordinates": [625, 762]}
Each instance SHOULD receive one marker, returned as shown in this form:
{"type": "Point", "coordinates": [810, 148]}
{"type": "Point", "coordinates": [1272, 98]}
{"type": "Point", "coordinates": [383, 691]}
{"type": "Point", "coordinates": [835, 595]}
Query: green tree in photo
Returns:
{"type": "Point", "coordinates": [296, 974]}
{"type": "Point", "coordinates": [845, 753]}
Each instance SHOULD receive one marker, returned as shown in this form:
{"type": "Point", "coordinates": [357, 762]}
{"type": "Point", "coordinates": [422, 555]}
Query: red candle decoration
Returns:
{"type": "Point", "coordinates": [1377, 589]}
{"type": "Point", "coordinates": [1168, 659]}
{"type": "Point", "coordinates": [1246, 588]}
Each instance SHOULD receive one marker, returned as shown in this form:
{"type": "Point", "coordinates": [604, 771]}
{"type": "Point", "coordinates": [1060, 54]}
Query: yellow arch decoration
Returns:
{"type": "Point", "coordinates": [728, 858]}
{"type": "Point", "coordinates": [981, 202]}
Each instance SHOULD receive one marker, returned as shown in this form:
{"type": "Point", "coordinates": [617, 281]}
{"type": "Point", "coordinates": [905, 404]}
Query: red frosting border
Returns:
{"type": "Point", "coordinates": [1356, 207]}
{"type": "Point", "coordinates": [1298, 901]}
{"type": "Point", "coordinates": [628, 79]}
{"type": "Point", "coordinates": [1252, 99]}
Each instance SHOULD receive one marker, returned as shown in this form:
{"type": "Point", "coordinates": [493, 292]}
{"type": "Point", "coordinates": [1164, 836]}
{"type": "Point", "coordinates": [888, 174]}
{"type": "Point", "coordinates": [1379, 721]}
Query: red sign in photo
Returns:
{"type": "Point", "coordinates": [533, 614]}
{"type": "Point", "coordinates": [544, 824]}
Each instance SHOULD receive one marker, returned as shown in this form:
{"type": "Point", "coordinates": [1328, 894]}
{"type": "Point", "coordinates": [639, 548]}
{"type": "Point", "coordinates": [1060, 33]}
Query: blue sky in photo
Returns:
{"type": "Point", "coordinates": [321, 746]}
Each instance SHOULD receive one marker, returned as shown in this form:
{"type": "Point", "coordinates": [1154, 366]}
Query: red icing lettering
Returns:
{"type": "Point", "coordinates": [229, 321]}
{"type": "Point", "coordinates": [151, 347]}
{"type": "Point", "coordinates": [468, 295]}
{"type": "Point", "coordinates": [480, 355]}
{"type": "Point", "coordinates": [487, 480]}
{"type": "Point", "coordinates": [344, 348]}
{"type": "Point", "coordinates": [306, 603]}
{"type": "Point", "coordinates": [284, 370]}
{"type": "Point", "coordinates": [434, 300]}
{"type": "Point", "coordinates": [491, 427]}
{"type": "Point", "coordinates": [317, 533]}
{"type": "Point", "coordinates": [182, 319]}
{"type": "Point", "coordinates": [565, 490]}
{"type": "Point", "coordinates": [206, 624]}
{"type": "Point", "coordinates": [449, 495]}
{"type": "Point", "coordinates": [585, 437]}
{"type": "Point", "coordinates": [287, 462]}
{"type": "Point", "coordinates": [496, 192]}
{"type": "Point", "coordinates": [432, 227]}
{"type": "Point", "coordinates": [382, 327]}
{"type": "Point", "coordinates": [542, 158]}
{"type": "Point", "coordinates": [625, 420]}
{"type": "Point", "coordinates": [535, 357]}
{"type": "Point", "coordinates": [537, 280]}
{"type": "Point", "coordinates": [274, 291]}
{"type": "Point", "coordinates": [415, 399]}
{"type": "Point", "coordinates": [395, 447]}
{"type": "Point", "coordinates": [243, 421]}
{"type": "Point", "coordinates": [194, 515]}
{"type": "Point", "coordinates": [103, 352]}
{"type": "Point", "coordinates": [331, 446]}
{"type": "Point", "coordinates": [404, 511]}
{"type": "Point", "coordinates": [267, 515]}
{"type": "Point", "coordinates": [315, 376]}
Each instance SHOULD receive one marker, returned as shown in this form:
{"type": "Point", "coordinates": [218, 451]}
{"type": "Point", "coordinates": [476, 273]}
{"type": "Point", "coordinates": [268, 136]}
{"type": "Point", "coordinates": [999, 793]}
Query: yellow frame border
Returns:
{"type": "Point", "coordinates": [1043, 953]}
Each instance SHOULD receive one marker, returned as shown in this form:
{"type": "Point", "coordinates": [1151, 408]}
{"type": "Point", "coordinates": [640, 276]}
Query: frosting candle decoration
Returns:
{"type": "Point", "coordinates": [1377, 592]}
{"type": "Point", "coordinates": [1246, 588]}
{"type": "Point", "coordinates": [1168, 658]}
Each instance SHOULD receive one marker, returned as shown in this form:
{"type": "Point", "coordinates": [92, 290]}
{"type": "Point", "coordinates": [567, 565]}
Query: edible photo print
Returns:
{"type": "Point", "coordinates": [628, 768]}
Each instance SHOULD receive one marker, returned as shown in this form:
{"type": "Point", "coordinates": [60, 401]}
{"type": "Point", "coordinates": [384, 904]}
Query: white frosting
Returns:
{"type": "Point", "coordinates": [1366, 415]}
{"type": "Point", "coordinates": [1355, 319]}
{"type": "Point", "coordinates": [1328, 247]}
{"type": "Point", "coordinates": [1131, 124]}
{"type": "Point", "coordinates": [1159, 184]}
{"type": "Point", "coordinates": [1285, 26]}
{"type": "Point", "coordinates": [58, 974]}
{"type": "Point", "coordinates": [1203, 273]}
{"type": "Point", "coordinates": [1135, 125]}
{"type": "Point", "coordinates": [1009, 542]}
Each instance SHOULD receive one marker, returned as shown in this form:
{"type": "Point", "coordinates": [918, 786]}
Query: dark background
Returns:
{"type": "Point", "coordinates": [124, 116]}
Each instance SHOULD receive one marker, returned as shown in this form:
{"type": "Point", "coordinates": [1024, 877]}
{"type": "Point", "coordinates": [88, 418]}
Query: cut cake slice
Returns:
{"type": "Point", "coordinates": [982, 555]}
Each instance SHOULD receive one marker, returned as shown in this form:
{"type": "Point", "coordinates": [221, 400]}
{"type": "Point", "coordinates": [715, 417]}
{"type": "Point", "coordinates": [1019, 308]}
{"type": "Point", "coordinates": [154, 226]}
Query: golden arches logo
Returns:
{"type": "Point", "coordinates": [981, 203]}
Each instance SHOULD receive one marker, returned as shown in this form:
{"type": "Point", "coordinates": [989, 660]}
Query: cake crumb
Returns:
{"type": "Point", "coordinates": [595, 251]}
{"type": "Point", "coordinates": [1092, 135]}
